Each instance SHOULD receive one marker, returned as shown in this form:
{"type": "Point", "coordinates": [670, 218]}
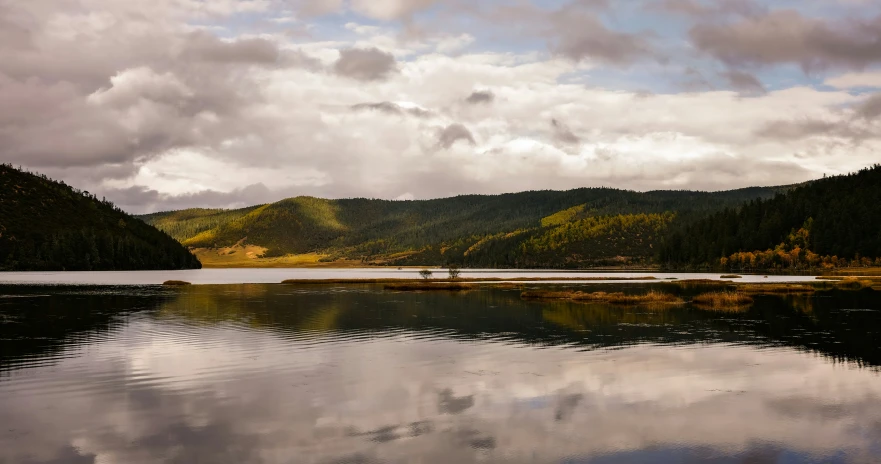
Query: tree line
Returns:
{"type": "Point", "coordinates": [48, 225]}
{"type": "Point", "coordinates": [831, 222]}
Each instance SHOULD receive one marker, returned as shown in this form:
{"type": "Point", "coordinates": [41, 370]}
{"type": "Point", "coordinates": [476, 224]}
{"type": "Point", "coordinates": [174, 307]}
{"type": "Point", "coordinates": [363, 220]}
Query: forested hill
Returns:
{"type": "Point", "coordinates": [575, 228]}
{"type": "Point", "coordinates": [830, 222]}
{"type": "Point", "coordinates": [47, 225]}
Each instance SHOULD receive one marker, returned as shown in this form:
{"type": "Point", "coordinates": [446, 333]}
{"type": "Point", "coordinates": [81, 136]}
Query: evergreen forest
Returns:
{"type": "Point", "coordinates": [579, 228]}
{"type": "Point", "coordinates": [47, 225]}
{"type": "Point", "coordinates": [828, 223]}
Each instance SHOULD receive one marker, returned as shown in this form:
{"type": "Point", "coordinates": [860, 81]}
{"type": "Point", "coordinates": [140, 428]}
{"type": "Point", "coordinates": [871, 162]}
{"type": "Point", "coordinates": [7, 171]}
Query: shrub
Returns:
{"type": "Point", "coordinates": [454, 272]}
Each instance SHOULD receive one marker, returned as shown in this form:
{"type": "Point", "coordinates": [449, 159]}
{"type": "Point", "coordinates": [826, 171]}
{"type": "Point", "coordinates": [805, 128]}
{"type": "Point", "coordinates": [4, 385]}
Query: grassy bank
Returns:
{"type": "Point", "coordinates": [604, 297]}
{"type": "Point", "coordinates": [250, 256]}
{"type": "Point", "coordinates": [776, 288]}
{"type": "Point", "coordinates": [429, 286]}
{"type": "Point", "coordinates": [722, 301]}
{"type": "Point", "coordinates": [468, 279]}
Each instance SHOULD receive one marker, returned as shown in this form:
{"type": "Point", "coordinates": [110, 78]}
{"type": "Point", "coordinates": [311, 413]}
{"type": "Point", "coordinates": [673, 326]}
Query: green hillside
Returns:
{"type": "Point", "coordinates": [830, 222]}
{"type": "Point", "coordinates": [562, 229]}
{"type": "Point", "coordinates": [188, 223]}
{"type": "Point", "coordinates": [47, 225]}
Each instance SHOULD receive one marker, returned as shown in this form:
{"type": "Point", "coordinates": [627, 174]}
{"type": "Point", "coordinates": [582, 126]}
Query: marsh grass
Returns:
{"type": "Point", "coordinates": [462, 279]}
{"type": "Point", "coordinates": [700, 284]}
{"type": "Point", "coordinates": [722, 301]}
{"type": "Point", "coordinates": [855, 284]}
{"type": "Point", "coordinates": [775, 289]}
{"type": "Point", "coordinates": [730, 276]}
{"type": "Point", "coordinates": [876, 279]}
{"type": "Point", "coordinates": [176, 283]}
{"type": "Point", "coordinates": [429, 286]}
{"type": "Point", "coordinates": [617, 298]}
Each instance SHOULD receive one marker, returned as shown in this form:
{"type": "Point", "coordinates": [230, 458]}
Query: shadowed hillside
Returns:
{"type": "Point", "coordinates": [830, 222]}
{"type": "Point", "coordinates": [559, 229]}
{"type": "Point", "coordinates": [47, 225]}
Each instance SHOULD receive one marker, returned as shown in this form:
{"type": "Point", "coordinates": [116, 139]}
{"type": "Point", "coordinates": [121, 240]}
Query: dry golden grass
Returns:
{"type": "Point", "coordinates": [722, 300]}
{"type": "Point", "coordinates": [507, 285]}
{"type": "Point", "coordinates": [700, 284]}
{"type": "Point", "coordinates": [617, 298]}
{"type": "Point", "coordinates": [429, 286]}
{"type": "Point", "coordinates": [563, 295]}
{"type": "Point", "coordinates": [176, 283]}
{"type": "Point", "coordinates": [855, 284]}
{"type": "Point", "coordinates": [500, 280]}
{"type": "Point", "coordinates": [856, 271]}
{"type": "Point", "coordinates": [249, 256]}
{"type": "Point", "coordinates": [775, 288]}
{"type": "Point", "coordinates": [850, 277]}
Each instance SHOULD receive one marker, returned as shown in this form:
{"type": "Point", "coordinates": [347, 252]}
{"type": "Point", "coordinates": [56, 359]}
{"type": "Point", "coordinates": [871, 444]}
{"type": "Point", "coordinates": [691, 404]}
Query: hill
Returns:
{"type": "Point", "coordinates": [830, 222]}
{"type": "Point", "coordinates": [47, 225]}
{"type": "Point", "coordinates": [550, 229]}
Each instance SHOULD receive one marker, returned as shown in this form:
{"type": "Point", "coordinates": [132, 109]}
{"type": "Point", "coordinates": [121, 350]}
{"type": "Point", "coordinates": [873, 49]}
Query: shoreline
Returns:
{"type": "Point", "coordinates": [385, 275]}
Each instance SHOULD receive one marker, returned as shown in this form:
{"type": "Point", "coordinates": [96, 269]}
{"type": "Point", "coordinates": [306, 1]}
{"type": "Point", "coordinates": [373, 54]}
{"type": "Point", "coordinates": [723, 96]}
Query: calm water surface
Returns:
{"type": "Point", "coordinates": [274, 276]}
{"type": "Point", "coordinates": [356, 374]}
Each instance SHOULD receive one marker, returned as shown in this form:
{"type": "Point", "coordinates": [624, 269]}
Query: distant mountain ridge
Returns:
{"type": "Point", "coordinates": [47, 225]}
{"type": "Point", "coordinates": [551, 229]}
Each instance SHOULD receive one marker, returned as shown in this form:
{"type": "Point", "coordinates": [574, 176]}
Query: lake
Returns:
{"type": "Point", "coordinates": [257, 373]}
{"type": "Point", "coordinates": [274, 276]}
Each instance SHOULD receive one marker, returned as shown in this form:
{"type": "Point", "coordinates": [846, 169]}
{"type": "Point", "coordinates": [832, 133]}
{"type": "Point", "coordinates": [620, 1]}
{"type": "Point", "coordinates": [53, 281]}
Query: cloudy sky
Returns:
{"type": "Point", "coordinates": [165, 104]}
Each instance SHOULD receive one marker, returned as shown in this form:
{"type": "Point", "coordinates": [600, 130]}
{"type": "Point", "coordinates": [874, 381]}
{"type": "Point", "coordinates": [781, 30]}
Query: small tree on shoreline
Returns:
{"type": "Point", "coordinates": [454, 272]}
{"type": "Point", "coordinates": [425, 274]}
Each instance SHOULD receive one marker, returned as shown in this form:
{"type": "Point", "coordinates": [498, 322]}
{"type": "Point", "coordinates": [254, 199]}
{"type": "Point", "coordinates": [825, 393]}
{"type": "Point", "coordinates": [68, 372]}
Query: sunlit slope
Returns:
{"type": "Point", "coordinates": [189, 223]}
{"type": "Point", "coordinates": [549, 228]}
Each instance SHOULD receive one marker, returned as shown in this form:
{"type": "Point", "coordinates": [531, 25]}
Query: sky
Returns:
{"type": "Point", "coordinates": [169, 104]}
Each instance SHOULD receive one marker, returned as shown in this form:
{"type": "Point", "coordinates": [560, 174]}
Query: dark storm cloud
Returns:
{"type": "Point", "coordinates": [480, 96]}
{"type": "Point", "coordinates": [563, 134]}
{"type": "Point", "coordinates": [744, 82]}
{"type": "Point", "coordinates": [365, 64]}
{"type": "Point", "coordinates": [786, 36]}
{"type": "Point", "coordinates": [454, 133]}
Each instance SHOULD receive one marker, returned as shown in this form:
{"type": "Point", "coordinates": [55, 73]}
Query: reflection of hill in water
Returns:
{"type": "Point", "coordinates": [825, 322]}
{"type": "Point", "coordinates": [830, 323]}
{"type": "Point", "coordinates": [39, 324]}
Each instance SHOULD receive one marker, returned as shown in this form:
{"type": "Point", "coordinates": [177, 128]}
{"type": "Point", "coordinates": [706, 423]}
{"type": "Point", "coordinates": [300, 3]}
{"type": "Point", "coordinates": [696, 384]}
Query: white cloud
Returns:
{"type": "Point", "coordinates": [454, 44]}
{"type": "Point", "coordinates": [852, 80]}
{"type": "Point", "coordinates": [287, 113]}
